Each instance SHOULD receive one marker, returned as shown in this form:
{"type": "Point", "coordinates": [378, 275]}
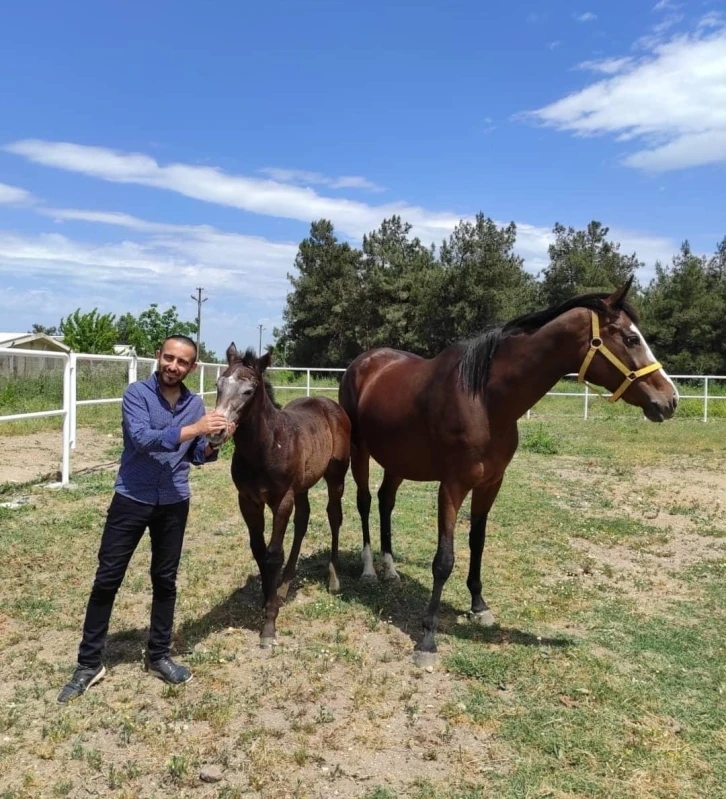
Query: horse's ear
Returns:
{"type": "Point", "coordinates": [264, 361]}
{"type": "Point", "coordinates": [617, 298]}
{"type": "Point", "coordinates": [231, 353]}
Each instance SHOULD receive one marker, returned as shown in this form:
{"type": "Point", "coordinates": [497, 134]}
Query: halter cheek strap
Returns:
{"type": "Point", "coordinates": [597, 345]}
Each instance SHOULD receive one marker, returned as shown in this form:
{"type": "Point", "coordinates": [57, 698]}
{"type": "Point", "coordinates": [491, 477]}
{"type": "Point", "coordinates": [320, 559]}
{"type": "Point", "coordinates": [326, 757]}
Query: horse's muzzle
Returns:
{"type": "Point", "coordinates": [660, 411]}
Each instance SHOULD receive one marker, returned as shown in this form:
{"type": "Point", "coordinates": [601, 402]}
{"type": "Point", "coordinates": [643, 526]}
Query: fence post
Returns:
{"type": "Point", "coordinates": [705, 400]}
{"type": "Point", "coordinates": [201, 382]}
{"type": "Point", "coordinates": [307, 388]}
{"type": "Point", "coordinates": [67, 421]}
{"type": "Point", "coordinates": [73, 365]}
{"type": "Point", "coordinates": [133, 368]}
{"type": "Point", "coordinates": [587, 400]}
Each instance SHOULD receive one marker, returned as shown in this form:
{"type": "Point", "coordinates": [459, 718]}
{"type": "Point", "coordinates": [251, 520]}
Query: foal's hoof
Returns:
{"type": "Point", "coordinates": [367, 577]}
{"type": "Point", "coordinates": [267, 642]}
{"type": "Point", "coordinates": [484, 618]}
{"type": "Point", "coordinates": [424, 659]}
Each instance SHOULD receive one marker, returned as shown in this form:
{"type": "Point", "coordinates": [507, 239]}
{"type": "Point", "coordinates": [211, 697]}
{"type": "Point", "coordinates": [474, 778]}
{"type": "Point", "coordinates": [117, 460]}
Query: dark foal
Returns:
{"type": "Point", "coordinates": [279, 454]}
{"type": "Point", "coordinates": [453, 418]}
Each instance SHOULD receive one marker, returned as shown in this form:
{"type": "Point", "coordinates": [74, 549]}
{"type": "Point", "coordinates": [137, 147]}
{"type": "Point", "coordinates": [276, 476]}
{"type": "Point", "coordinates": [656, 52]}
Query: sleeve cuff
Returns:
{"type": "Point", "coordinates": [170, 439]}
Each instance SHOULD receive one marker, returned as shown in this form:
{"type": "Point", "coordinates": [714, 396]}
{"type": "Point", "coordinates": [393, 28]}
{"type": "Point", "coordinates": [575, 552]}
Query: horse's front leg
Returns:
{"type": "Point", "coordinates": [450, 498]}
{"type": "Point", "coordinates": [274, 558]}
{"type": "Point", "coordinates": [482, 500]}
{"type": "Point", "coordinates": [253, 513]}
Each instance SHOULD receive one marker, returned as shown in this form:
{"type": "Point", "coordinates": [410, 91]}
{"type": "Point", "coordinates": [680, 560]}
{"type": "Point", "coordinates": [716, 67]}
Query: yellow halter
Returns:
{"type": "Point", "coordinates": [597, 345]}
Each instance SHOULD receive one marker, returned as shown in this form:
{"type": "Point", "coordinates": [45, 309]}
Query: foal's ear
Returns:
{"type": "Point", "coordinates": [617, 298]}
{"type": "Point", "coordinates": [231, 353]}
{"type": "Point", "coordinates": [264, 361]}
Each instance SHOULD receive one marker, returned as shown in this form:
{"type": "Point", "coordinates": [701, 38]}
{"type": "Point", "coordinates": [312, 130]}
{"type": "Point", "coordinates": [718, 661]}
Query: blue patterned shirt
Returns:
{"type": "Point", "coordinates": [154, 465]}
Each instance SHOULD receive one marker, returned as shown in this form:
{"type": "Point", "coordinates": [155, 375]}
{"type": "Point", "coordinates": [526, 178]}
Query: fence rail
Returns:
{"type": "Point", "coordinates": [70, 403]}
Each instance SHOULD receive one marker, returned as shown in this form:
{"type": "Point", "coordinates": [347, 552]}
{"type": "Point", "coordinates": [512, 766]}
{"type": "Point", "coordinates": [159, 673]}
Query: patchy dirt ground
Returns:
{"type": "Point", "coordinates": [338, 709]}
{"type": "Point", "coordinates": [37, 456]}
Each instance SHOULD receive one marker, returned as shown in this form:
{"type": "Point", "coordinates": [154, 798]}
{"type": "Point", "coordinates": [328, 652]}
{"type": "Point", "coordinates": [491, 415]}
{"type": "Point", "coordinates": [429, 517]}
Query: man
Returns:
{"type": "Point", "coordinates": [164, 431]}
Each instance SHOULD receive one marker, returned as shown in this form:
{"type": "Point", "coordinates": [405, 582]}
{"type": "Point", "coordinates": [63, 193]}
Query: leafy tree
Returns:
{"type": "Point", "coordinates": [683, 311]}
{"type": "Point", "coordinates": [399, 275]}
{"type": "Point", "coordinates": [583, 261]}
{"type": "Point", "coordinates": [147, 332]}
{"type": "Point", "coordinates": [321, 310]}
{"type": "Point", "coordinates": [484, 281]}
{"type": "Point", "coordinates": [49, 331]}
{"type": "Point", "coordinates": [89, 332]}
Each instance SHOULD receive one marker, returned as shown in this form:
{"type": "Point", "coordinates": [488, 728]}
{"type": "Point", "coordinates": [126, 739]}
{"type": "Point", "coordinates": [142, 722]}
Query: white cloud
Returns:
{"type": "Point", "coordinates": [209, 184]}
{"type": "Point", "coordinates": [664, 5]}
{"type": "Point", "coordinates": [673, 100]}
{"type": "Point", "coordinates": [607, 66]}
{"type": "Point", "coordinates": [12, 195]}
{"type": "Point", "coordinates": [301, 176]}
{"type": "Point", "coordinates": [588, 16]}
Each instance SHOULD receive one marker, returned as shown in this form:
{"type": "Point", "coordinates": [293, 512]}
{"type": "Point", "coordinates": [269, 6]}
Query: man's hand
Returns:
{"type": "Point", "coordinates": [213, 422]}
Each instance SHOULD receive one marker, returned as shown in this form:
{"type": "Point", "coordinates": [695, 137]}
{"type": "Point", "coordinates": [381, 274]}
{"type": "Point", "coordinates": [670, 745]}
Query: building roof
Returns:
{"type": "Point", "coordinates": [20, 340]}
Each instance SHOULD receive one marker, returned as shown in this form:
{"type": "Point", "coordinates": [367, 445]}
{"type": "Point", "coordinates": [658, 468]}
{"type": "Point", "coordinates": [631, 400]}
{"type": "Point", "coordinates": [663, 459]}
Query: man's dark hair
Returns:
{"type": "Point", "coordinates": [184, 340]}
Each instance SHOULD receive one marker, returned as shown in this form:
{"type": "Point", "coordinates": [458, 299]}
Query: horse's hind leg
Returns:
{"type": "Point", "coordinates": [360, 466]}
{"type": "Point", "coordinates": [335, 478]}
{"type": "Point", "coordinates": [482, 500]}
{"type": "Point", "coordinates": [302, 515]}
{"type": "Point", "coordinates": [386, 503]}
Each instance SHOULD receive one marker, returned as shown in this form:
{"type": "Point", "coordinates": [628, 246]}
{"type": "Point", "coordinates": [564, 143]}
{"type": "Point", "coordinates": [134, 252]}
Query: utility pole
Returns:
{"type": "Point", "coordinates": [259, 352]}
{"type": "Point", "coordinates": [198, 299]}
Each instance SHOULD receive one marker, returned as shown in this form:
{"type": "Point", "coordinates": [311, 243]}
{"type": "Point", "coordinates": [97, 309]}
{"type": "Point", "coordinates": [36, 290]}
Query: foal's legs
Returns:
{"type": "Point", "coordinates": [482, 500]}
{"type": "Point", "coordinates": [335, 478]}
{"type": "Point", "coordinates": [386, 503]}
{"type": "Point", "coordinates": [253, 512]}
{"type": "Point", "coordinates": [360, 465]}
{"type": "Point", "coordinates": [274, 558]}
{"type": "Point", "coordinates": [450, 499]}
{"type": "Point", "coordinates": [302, 515]}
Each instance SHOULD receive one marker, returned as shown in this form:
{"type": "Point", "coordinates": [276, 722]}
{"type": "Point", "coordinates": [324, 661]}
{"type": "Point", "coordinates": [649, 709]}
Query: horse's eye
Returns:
{"type": "Point", "coordinates": [632, 341]}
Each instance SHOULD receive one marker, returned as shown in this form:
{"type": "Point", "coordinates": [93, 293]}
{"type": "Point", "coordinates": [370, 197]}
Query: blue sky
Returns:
{"type": "Point", "coordinates": [149, 148]}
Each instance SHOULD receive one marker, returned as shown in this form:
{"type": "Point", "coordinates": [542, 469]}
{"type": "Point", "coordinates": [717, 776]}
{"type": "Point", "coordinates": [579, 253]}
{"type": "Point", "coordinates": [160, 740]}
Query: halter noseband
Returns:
{"type": "Point", "coordinates": [597, 345]}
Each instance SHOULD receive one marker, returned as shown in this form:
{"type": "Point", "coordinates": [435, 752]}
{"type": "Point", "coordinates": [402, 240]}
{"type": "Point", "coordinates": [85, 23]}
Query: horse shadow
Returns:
{"type": "Point", "coordinates": [402, 604]}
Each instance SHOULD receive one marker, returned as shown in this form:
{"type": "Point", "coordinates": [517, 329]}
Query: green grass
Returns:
{"type": "Point", "coordinates": [603, 679]}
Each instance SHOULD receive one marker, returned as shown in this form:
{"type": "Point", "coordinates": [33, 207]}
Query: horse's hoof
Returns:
{"type": "Point", "coordinates": [267, 642]}
{"type": "Point", "coordinates": [282, 591]}
{"type": "Point", "coordinates": [424, 659]}
{"type": "Point", "coordinates": [394, 577]}
{"type": "Point", "coordinates": [369, 578]}
{"type": "Point", "coordinates": [484, 618]}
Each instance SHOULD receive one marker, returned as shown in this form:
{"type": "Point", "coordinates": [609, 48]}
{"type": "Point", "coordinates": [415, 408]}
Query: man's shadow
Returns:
{"type": "Point", "coordinates": [402, 604]}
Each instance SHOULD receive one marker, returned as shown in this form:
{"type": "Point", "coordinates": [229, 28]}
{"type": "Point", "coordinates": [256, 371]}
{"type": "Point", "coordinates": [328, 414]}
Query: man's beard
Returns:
{"type": "Point", "coordinates": [170, 379]}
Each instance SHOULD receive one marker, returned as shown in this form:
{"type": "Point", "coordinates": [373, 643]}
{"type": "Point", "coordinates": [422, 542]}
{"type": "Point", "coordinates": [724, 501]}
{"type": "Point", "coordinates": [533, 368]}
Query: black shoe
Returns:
{"type": "Point", "coordinates": [83, 678]}
{"type": "Point", "coordinates": [165, 669]}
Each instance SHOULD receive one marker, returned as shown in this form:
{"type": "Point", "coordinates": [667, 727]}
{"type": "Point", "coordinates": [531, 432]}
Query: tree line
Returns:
{"type": "Point", "coordinates": [396, 291]}
{"type": "Point", "coordinates": [94, 332]}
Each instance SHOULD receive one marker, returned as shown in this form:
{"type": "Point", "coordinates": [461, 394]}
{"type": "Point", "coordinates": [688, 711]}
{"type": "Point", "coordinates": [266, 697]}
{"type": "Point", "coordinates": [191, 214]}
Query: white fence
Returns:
{"type": "Point", "coordinates": [69, 409]}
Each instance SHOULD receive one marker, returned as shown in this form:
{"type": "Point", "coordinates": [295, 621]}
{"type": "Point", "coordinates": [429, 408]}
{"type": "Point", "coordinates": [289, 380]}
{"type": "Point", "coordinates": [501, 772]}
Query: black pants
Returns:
{"type": "Point", "coordinates": [125, 525]}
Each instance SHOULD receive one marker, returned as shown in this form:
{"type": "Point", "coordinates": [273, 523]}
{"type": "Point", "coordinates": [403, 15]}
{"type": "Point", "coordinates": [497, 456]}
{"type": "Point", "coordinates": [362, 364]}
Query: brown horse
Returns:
{"type": "Point", "coordinates": [279, 454]}
{"type": "Point", "coordinates": [453, 419]}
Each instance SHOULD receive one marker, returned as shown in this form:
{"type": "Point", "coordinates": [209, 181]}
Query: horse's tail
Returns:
{"type": "Point", "coordinates": [348, 398]}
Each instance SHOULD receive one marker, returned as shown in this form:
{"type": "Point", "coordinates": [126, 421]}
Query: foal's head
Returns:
{"type": "Point", "coordinates": [619, 358]}
{"type": "Point", "coordinates": [239, 384]}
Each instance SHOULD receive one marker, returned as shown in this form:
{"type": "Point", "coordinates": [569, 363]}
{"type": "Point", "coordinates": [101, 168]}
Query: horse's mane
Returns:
{"type": "Point", "coordinates": [249, 359]}
{"type": "Point", "coordinates": [477, 353]}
